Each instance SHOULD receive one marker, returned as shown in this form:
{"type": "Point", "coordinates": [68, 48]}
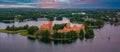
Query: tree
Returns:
{"type": "Point", "coordinates": [13, 28]}
{"type": "Point", "coordinates": [94, 23]}
{"type": "Point", "coordinates": [7, 28]}
{"type": "Point", "coordinates": [81, 34]}
{"type": "Point", "coordinates": [58, 35]}
{"type": "Point", "coordinates": [59, 26]}
{"type": "Point", "coordinates": [25, 27]}
{"type": "Point", "coordinates": [89, 34]}
{"type": "Point", "coordinates": [38, 33]}
{"type": "Point", "coordinates": [43, 33]}
{"type": "Point", "coordinates": [71, 34]}
{"type": "Point", "coordinates": [31, 30]}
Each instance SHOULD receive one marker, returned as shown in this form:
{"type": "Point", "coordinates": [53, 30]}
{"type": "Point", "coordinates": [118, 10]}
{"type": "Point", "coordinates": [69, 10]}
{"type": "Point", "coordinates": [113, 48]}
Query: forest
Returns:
{"type": "Point", "coordinates": [10, 14]}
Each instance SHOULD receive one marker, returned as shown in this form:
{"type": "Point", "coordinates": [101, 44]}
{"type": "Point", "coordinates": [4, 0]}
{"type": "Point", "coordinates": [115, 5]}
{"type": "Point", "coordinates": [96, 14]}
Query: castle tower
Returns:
{"type": "Point", "coordinates": [50, 25]}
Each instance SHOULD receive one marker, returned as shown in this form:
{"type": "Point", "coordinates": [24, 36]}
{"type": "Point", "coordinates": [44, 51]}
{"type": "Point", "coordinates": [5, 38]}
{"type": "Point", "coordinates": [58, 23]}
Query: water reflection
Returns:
{"type": "Point", "coordinates": [45, 40]}
{"type": "Point", "coordinates": [57, 42]}
{"type": "Point", "coordinates": [106, 39]}
{"type": "Point", "coordinates": [31, 39]}
{"type": "Point", "coordinates": [115, 23]}
{"type": "Point", "coordinates": [30, 23]}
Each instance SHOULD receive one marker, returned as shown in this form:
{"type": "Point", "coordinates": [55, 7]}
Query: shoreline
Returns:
{"type": "Point", "coordinates": [24, 33]}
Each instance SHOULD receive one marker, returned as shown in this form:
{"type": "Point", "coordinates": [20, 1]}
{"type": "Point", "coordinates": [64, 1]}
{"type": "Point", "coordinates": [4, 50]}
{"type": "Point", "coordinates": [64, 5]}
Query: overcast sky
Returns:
{"type": "Point", "coordinates": [59, 3]}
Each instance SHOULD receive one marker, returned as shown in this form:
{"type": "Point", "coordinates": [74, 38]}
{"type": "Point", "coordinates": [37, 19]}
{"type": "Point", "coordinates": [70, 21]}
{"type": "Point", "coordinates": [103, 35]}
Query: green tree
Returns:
{"type": "Point", "coordinates": [25, 27]}
{"type": "Point", "coordinates": [71, 34]}
{"type": "Point", "coordinates": [58, 35]}
{"type": "Point", "coordinates": [81, 34]}
{"type": "Point", "coordinates": [7, 28]}
{"type": "Point", "coordinates": [14, 28]}
{"type": "Point", "coordinates": [43, 33]}
{"type": "Point", "coordinates": [59, 26]}
{"type": "Point", "coordinates": [89, 34]}
{"type": "Point", "coordinates": [38, 33]}
{"type": "Point", "coordinates": [31, 30]}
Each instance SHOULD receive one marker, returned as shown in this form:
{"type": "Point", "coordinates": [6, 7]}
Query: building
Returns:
{"type": "Point", "coordinates": [118, 13]}
{"type": "Point", "coordinates": [64, 20]}
{"type": "Point", "coordinates": [74, 27]}
{"type": "Point", "coordinates": [67, 28]}
{"type": "Point", "coordinates": [46, 26]}
{"type": "Point", "coordinates": [82, 13]}
{"type": "Point", "coordinates": [50, 24]}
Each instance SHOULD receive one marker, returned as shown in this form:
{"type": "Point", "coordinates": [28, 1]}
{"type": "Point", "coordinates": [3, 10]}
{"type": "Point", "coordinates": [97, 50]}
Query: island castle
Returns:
{"type": "Point", "coordinates": [75, 27]}
{"type": "Point", "coordinates": [67, 28]}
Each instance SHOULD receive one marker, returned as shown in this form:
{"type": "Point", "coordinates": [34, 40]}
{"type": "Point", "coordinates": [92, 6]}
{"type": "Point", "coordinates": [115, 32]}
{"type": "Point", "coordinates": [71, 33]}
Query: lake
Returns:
{"type": "Point", "coordinates": [106, 39]}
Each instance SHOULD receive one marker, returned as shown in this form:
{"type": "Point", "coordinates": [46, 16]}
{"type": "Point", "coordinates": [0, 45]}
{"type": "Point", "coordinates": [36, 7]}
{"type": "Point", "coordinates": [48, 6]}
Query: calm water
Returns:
{"type": "Point", "coordinates": [30, 23]}
{"type": "Point", "coordinates": [106, 39]}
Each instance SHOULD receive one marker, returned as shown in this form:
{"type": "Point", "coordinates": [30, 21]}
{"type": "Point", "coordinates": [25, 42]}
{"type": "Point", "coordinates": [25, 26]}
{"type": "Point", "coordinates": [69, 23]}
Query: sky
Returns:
{"type": "Point", "coordinates": [59, 3]}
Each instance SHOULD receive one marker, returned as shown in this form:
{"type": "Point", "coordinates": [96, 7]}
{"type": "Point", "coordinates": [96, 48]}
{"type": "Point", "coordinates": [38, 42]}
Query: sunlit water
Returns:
{"type": "Point", "coordinates": [106, 39]}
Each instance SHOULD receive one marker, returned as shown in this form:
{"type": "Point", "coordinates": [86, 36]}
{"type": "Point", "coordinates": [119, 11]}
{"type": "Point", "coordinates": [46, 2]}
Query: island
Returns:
{"type": "Point", "coordinates": [64, 30]}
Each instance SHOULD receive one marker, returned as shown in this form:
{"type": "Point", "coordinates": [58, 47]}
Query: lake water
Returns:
{"type": "Point", "coordinates": [106, 39]}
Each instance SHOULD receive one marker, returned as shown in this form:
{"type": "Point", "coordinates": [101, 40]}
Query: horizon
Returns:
{"type": "Point", "coordinates": [60, 4]}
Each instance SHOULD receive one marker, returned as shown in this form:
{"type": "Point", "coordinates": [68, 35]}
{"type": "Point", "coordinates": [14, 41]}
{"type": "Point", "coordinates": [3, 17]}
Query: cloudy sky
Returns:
{"type": "Point", "coordinates": [59, 3]}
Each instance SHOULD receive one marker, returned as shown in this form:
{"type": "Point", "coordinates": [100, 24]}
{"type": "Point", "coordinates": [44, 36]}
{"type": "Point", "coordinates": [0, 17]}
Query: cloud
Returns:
{"type": "Point", "coordinates": [59, 3]}
{"type": "Point", "coordinates": [16, 6]}
{"type": "Point", "coordinates": [8, 2]}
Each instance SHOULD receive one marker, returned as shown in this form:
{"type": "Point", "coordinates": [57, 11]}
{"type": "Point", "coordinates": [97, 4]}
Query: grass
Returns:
{"type": "Point", "coordinates": [11, 32]}
{"type": "Point", "coordinates": [22, 32]}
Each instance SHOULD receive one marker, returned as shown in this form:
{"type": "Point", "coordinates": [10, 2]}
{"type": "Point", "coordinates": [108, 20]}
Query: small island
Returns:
{"type": "Point", "coordinates": [54, 31]}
